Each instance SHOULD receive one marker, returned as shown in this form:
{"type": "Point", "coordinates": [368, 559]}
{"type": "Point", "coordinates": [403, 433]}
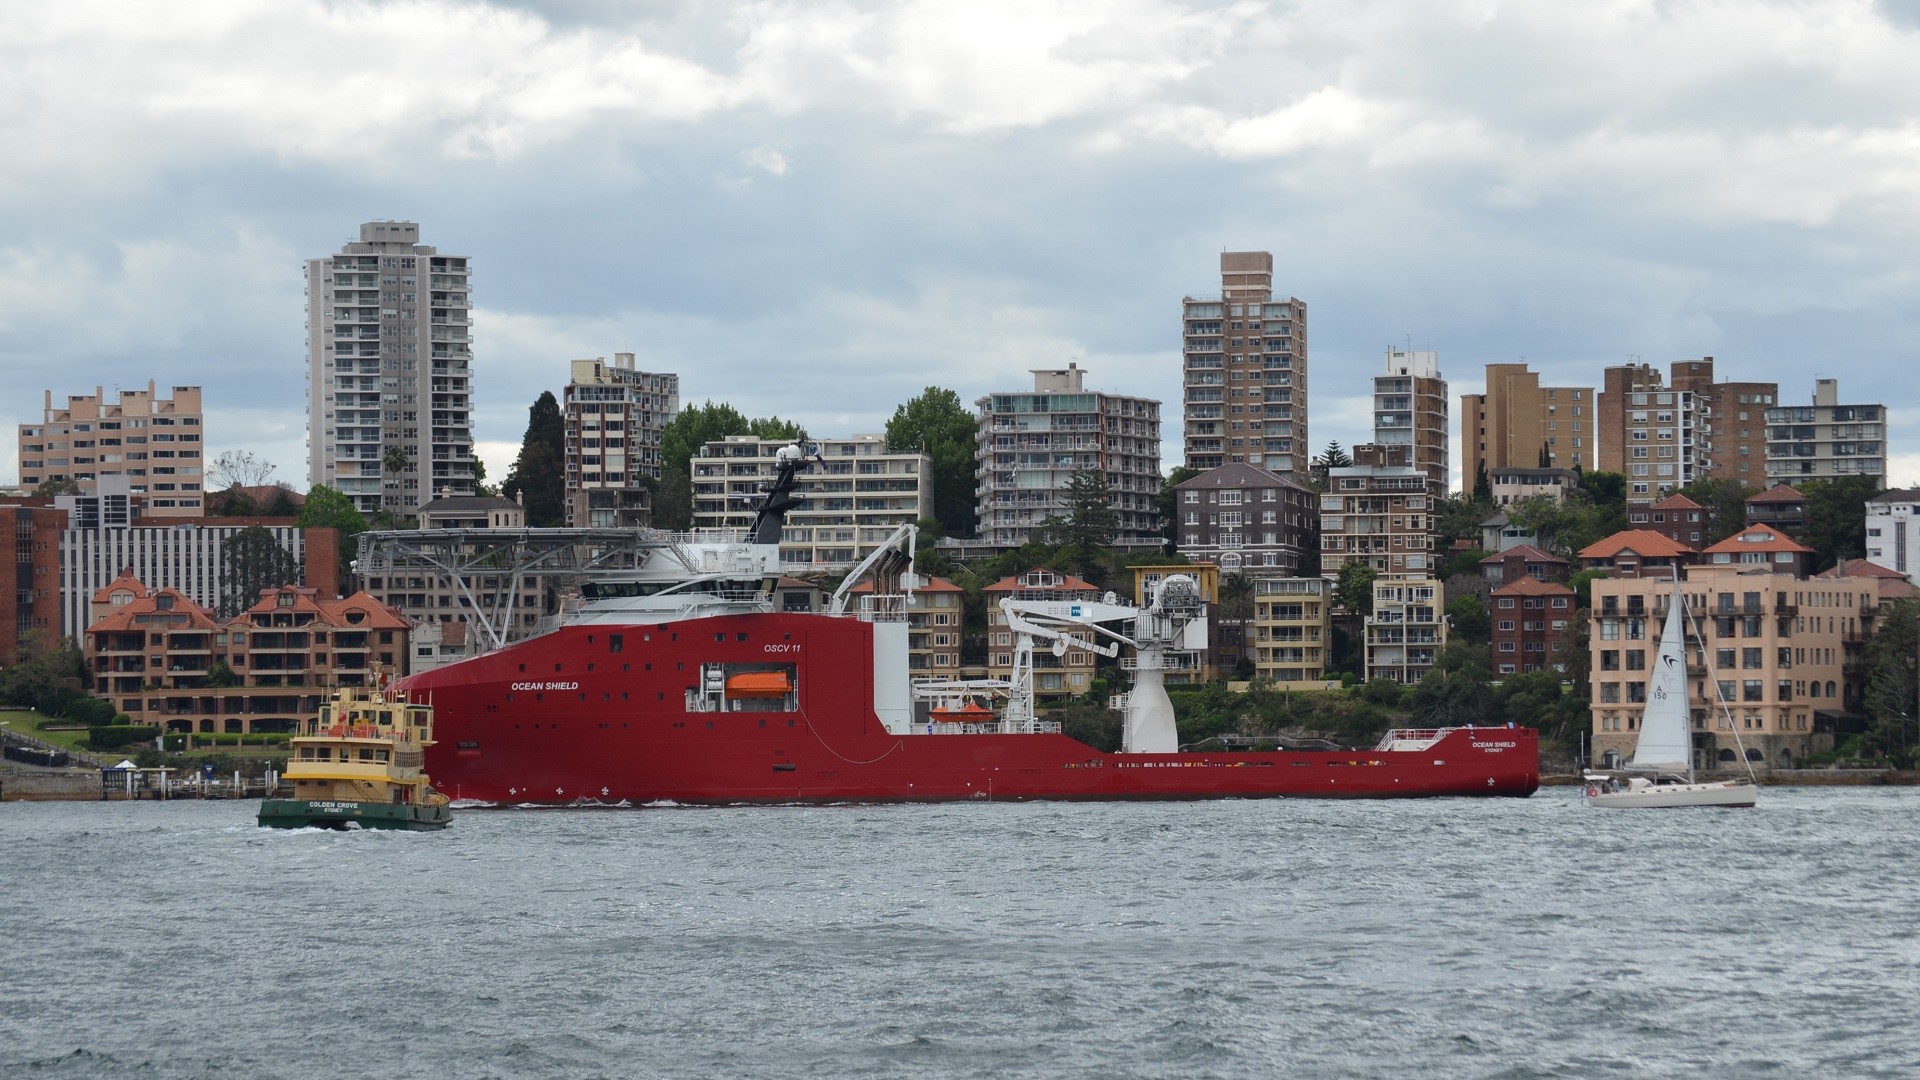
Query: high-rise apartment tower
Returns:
{"type": "Point", "coordinates": [613, 417]}
{"type": "Point", "coordinates": [1410, 410]}
{"type": "Point", "coordinates": [1519, 422]}
{"type": "Point", "coordinates": [1245, 363]}
{"type": "Point", "coordinates": [389, 390]}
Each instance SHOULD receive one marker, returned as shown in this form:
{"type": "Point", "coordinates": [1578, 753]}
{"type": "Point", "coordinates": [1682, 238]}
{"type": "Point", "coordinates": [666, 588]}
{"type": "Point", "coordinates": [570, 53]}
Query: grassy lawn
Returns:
{"type": "Point", "coordinates": [24, 721]}
{"type": "Point", "coordinates": [75, 740]}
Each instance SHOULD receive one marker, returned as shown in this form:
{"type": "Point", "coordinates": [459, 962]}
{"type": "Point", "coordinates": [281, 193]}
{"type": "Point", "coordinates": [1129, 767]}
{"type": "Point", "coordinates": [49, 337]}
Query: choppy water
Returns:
{"type": "Point", "coordinates": [1243, 939]}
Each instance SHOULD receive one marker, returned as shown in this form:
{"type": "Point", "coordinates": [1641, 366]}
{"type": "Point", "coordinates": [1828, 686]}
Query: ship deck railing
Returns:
{"type": "Point", "coordinates": [1040, 727]}
{"type": "Point", "coordinates": [1413, 738]}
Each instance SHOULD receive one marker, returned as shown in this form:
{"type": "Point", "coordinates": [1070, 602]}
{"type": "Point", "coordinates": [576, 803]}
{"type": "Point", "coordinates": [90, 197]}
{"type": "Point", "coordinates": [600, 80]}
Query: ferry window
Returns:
{"type": "Point", "coordinates": [589, 639]}
{"type": "Point", "coordinates": [719, 637]}
{"type": "Point", "coordinates": [649, 666]}
{"type": "Point", "coordinates": [366, 753]}
{"type": "Point", "coordinates": [740, 636]}
{"type": "Point", "coordinates": [556, 667]}
{"type": "Point", "coordinates": [589, 667]}
{"type": "Point", "coordinates": [380, 755]}
{"type": "Point", "coordinates": [523, 667]}
{"type": "Point", "coordinates": [615, 643]}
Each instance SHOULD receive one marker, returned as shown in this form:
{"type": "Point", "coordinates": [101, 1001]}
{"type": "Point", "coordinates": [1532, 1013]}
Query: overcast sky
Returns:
{"type": "Point", "coordinates": [816, 209]}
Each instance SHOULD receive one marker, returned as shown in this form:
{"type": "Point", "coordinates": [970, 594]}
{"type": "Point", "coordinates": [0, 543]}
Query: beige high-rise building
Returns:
{"type": "Point", "coordinates": [1519, 422]}
{"type": "Point", "coordinates": [613, 416]}
{"type": "Point", "coordinates": [1664, 435]}
{"type": "Point", "coordinates": [1245, 364]}
{"type": "Point", "coordinates": [1410, 410]}
{"type": "Point", "coordinates": [1731, 432]}
{"type": "Point", "coordinates": [158, 444]}
{"type": "Point", "coordinates": [388, 359]}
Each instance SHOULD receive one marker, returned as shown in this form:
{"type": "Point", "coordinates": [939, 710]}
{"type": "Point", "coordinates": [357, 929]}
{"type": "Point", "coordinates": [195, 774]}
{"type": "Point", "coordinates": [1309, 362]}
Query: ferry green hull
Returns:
{"type": "Point", "coordinates": [337, 814]}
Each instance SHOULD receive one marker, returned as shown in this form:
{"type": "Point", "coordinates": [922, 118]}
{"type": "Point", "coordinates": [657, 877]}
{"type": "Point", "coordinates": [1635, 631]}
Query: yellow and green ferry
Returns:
{"type": "Point", "coordinates": [360, 764]}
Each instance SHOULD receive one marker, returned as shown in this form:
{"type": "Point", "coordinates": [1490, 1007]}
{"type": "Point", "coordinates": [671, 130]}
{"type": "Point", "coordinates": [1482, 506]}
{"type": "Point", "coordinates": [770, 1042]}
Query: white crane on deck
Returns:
{"type": "Point", "coordinates": [1173, 623]}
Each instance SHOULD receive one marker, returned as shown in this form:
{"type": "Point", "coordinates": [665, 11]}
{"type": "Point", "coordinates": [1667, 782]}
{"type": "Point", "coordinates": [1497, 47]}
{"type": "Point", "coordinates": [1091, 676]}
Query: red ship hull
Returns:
{"type": "Point", "coordinates": [564, 718]}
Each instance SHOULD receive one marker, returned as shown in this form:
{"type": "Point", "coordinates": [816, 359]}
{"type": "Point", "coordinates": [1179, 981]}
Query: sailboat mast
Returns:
{"type": "Point", "coordinates": [1726, 709]}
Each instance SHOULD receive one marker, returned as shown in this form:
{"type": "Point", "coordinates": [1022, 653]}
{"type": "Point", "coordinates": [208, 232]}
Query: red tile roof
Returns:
{"type": "Point", "coordinates": [932, 584]}
{"type": "Point", "coordinates": [126, 580]}
{"type": "Point", "coordinates": [1067, 582]}
{"type": "Point", "coordinates": [1643, 542]}
{"type": "Point", "coordinates": [1759, 538]}
{"type": "Point", "coordinates": [1676, 501]}
{"type": "Point", "coordinates": [126, 616]}
{"type": "Point", "coordinates": [1778, 493]}
{"type": "Point", "coordinates": [1529, 585]}
{"type": "Point", "coordinates": [1860, 568]}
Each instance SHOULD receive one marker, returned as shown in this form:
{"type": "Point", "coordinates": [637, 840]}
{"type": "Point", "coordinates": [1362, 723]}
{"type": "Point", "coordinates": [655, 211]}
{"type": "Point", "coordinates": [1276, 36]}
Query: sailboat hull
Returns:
{"type": "Point", "coordinates": [1655, 796]}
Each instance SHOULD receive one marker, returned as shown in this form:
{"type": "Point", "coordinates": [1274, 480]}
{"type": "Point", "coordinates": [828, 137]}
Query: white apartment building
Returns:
{"type": "Point", "coordinates": [1410, 410]}
{"type": "Point", "coordinates": [613, 415]}
{"type": "Point", "coordinates": [1893, 530]}
{"type": "Point", "coordinates": [856, 494]}
{"type": "Point", "coordinates": [1407, 630]}
{"type": "Point", "coordinates": [1032, 442]}
{"type": "Point", "coordinates": [388, 355]}
{"type": "Point", "coordinates": [188, 558]}
{"type": "Point", "coordinates": [157, 445]}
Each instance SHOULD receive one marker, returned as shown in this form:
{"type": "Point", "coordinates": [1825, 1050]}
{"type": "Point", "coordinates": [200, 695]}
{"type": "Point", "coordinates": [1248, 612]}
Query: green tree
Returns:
{"type": "Point", "coordinates": [1723, 504]}
{"type": "Point", "coordinates": [252, 560]}
{"type": "Point", "coordinates": [1458, 517]}
{"type": "Point", "coordinates": [480, 485]}
{"type": "Point", "coordinates": [394, 459]}
{"type": "Point", "coordinates": [1837, 518]}
{"type": "Point", "coordinates": [936, 424]}
{"type": "Point", "coordinates": [1892, 654]}
{"type": "Point", "coordinates": [1320, 468]}
{"type": "Point", "coordinates": [774, 428]}
{"type": "Point", "coordinates": [680, 442]}
{"type": "Point", "coordinates": [59, 485]}
{"type": "Point", "coordinates": [46, 673]}
{"type": "Point", "coordinates": [1468, 618]}
{"type": "Point", "coordinates": [280, 503]}
{"type": "Point", "coordinates": [1354, 587]}
{"type": "Point", "coordinates": [1458, 690]}
{"type": "Point", "coordinates": [1482, 486]}
{"type": "Point", "coordinates": [220, 676]}
{"type": "Point", "coordinates": [1090, 523]}
{"type": "Point", "coordinates": [538, 477]}
{"type": "Point", "coordinates": [1167, 502]}
{"type": "Point", "coordinates": [327, 508]}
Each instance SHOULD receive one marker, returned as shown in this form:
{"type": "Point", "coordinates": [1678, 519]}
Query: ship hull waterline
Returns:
{"type": "Point", "coordinates": [336, 814]}
{"type": "Point", "coordinates": [601, 714]}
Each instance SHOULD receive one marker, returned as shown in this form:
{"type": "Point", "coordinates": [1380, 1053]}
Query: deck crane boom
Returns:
{"type": "Point", "coordinates": [1173, 622]}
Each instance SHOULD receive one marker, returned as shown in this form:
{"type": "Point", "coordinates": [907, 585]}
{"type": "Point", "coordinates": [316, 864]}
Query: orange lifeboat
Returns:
{"type": "Point", "coordinates": [971, 713]}
{"type": "Point", "coordinates": [759, 684]}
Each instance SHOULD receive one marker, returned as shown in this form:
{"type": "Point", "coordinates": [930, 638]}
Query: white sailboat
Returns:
{"type": "Point", "coordinates": [1665, 749]}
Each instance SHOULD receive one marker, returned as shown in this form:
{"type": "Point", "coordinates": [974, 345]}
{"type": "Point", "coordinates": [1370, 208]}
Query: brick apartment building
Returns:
{"type": "Point", "coordinates": [1243, 518]}
{"type": "Point", "coordinates": [154, 655]}
{"type": "Point", "coordinates": [1532, 626]}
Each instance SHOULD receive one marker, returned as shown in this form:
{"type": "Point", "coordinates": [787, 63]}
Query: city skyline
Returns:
{"type": "Point", "coordinates": [746, 203]}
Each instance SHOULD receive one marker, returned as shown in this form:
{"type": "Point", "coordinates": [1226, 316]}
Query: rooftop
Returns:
{"type": "Point", "coordinates": [1643, 542]}
{"type": "Point", "coordinates": [1778, 493]}
{"type": "Point", "coordinates": [1759, 538]}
